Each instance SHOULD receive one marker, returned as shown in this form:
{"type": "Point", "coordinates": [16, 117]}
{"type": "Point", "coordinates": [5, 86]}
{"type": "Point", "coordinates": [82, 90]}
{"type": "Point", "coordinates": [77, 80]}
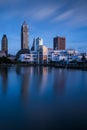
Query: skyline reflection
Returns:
{"type": "Point", "coordinates": [42, 98]}
{"type": "Point", "coordinates": [42, 79]}
{"type": "Point", "coordinates": [25, 77]}
{"type": "Point", "coordinates": [59, 81]}
{"type": "Point", "coordinates": [4, 78]}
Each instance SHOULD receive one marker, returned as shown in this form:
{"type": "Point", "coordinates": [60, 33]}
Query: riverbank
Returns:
{"type": "Point", "coordinates": [72, 66]}
{"type": "Point", "coordinates": [82, 66]}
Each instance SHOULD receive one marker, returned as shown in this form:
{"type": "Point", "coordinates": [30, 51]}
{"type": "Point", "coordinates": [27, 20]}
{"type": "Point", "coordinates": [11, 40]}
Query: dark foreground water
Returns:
{"type": "Point", "coordinates": [42, 98]}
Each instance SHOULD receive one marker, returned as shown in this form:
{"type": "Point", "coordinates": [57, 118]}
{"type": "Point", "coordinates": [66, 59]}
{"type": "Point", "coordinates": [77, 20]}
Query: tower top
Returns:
{"type": "Point", "coordinates": [4, 35]}
{"type": "Point", "coordinates": [24, 23]}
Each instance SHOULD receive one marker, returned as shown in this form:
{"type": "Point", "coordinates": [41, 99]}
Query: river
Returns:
{"type": "Point", "coordinates": [42, 98]}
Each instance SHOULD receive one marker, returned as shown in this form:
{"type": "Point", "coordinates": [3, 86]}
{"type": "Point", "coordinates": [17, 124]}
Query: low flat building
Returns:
{"type": "Point", "coordinates": [28, 57]}
{"type": "Point", "coordinates": [72, 52]}
{"type": "Point", "coordinates": [57, 55]}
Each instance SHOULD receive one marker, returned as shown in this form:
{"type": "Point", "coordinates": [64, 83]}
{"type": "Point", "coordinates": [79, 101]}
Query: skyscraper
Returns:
{"type": "Point", "coordinates": [33, 48]}
{"type": "Point", "coordinates": [39, 42]}
{"type": "Point", "coordinates": [59, 43]}
{"type": "Point", "coordinates": [4, 44]}
{"type": "Point", "coordinates": [24, 36]}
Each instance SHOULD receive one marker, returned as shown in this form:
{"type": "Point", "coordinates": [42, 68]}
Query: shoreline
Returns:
{"type": "Point", "coordinates": [55, 65]}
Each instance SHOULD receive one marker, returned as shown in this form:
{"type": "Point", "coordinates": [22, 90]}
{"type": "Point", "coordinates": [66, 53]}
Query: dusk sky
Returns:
{"type": "Point", "coordinates": [46, 19]}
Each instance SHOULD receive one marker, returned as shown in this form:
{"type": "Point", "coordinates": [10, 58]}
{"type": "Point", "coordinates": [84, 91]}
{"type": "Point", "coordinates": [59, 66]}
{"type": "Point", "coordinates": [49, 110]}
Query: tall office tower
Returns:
{"type": "Point", "coordinates": [24, 36]}
{"type": "Point", "coordinates": [59, 43]}
{"type": "Point", "coordinates": [33, 48]}
{"type": "Point", "coordinates": [4, 44]}
{"type": "Point", "coordinates": [39, 42]}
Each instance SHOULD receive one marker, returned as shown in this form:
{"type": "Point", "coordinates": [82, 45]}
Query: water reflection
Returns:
{"type": "Point", "coordinates": [40, 77]}
{"type": "Point", "coordinates": [42, 97]}
{"type": "Point", "coordinates": [37, 77]}
{"type": "Point", "coordinates": [4, 77]}
{"type": "Point", "coordinates": [59, 81]}
{"type": "Point", "coordinates": [24, 72]}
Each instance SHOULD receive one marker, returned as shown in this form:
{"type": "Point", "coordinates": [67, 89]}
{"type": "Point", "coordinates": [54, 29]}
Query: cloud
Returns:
{"type": "Point", "coordinates": [44, 12]}
{"type": "Point", "coordinates": [39, 12]}
{"type": "Point", "coordinates": [51, 10]}
{"type": "Point", "coordinates": [75, 16]}
{"type": "Point", "coordinates": [63, 16]}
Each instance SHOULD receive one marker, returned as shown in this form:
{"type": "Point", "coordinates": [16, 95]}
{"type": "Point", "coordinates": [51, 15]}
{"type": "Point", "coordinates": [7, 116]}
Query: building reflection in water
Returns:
{"type": "Point", "coordinates": [47, 79]}
{"type": "Point", "coordinates": [4, 78]}
{"type": "Point", "coordinates": [33, 81]}
{"type": "Point", "coordinates": [59, 81]}
{"type": "Point", "coordinates": [40, 80]}
{"type": "Point", "coordinates": [24, 72]}
{"type": "Point", "coordinates": [44, 79]}
{"type": "Point", "coordinates": [40, 76]}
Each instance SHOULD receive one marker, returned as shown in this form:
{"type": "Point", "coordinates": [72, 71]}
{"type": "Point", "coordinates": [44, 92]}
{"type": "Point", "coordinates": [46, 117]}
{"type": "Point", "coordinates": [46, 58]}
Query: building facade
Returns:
{"type": "Point", "coordinates": [39, 42]}
{"type": "Point", "coordinates": [33, 48]}
{"type": "Point", "coordinates": [4, 44]}
{"type": "Point", "coordinates": [59, 43]}
{"type": "Point", "coordinates": [2, 54]}
{"type": "Point", "coordinates": [24, 36]}
{"type": "Point", "coordinates": [42, 54]}
{"type": "Point", "coordinates": [29, 58]}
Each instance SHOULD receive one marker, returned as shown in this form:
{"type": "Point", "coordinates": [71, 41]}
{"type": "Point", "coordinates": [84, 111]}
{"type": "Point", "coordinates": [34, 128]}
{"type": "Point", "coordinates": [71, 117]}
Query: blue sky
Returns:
{"type": "Point", "coordinates": [46, 19]}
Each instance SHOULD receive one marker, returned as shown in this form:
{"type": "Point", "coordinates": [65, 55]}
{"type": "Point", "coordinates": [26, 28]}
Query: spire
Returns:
{"type": "Point", "coordinates": [24, 23]}
{"type": "Point", "coordinates": [4, 35]}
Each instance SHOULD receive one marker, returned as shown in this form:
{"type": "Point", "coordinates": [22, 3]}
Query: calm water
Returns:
{"type": "Point", "coordinates": [42, 98]}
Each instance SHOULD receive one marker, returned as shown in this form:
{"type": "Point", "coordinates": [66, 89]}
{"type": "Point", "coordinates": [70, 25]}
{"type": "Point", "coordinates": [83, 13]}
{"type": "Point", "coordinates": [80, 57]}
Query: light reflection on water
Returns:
{"type": "Point", "coordinates": [42, 98]}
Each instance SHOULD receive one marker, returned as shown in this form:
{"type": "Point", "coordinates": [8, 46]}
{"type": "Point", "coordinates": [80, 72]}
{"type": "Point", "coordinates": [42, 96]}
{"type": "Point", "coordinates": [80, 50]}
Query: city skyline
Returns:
{"type": "Point", "coordinates": [46, 19]}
